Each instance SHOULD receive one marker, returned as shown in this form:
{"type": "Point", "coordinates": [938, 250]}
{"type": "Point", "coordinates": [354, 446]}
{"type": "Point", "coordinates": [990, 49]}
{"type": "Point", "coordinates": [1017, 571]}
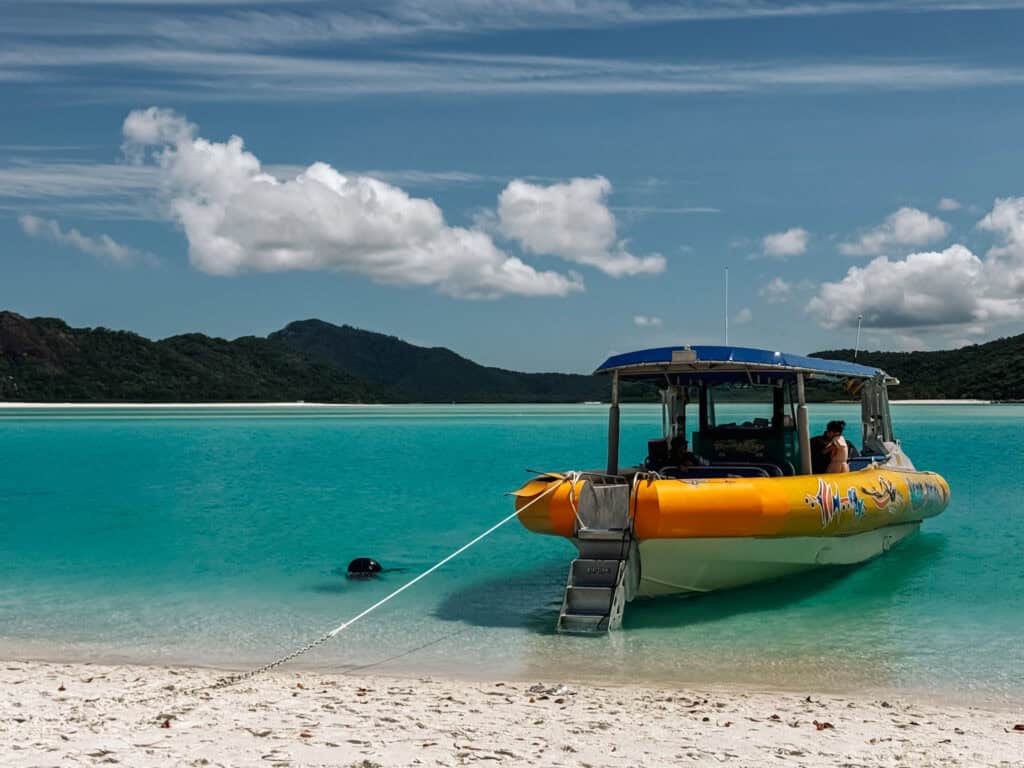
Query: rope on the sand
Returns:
{"type": "Point", "coordinates": [230, 680]}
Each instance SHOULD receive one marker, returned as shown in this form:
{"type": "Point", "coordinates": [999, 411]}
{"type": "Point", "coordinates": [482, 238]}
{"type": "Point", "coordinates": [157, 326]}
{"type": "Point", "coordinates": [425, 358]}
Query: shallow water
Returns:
{"type": "Point", "coordinates": [218, 536]}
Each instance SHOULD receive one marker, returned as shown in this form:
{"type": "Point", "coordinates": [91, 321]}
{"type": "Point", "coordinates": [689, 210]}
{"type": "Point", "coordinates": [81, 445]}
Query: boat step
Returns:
{"type": "Point", "coordinates": [587, 572]}
{"type": "Point", "coordinates": [602, 549]}
{"type": "Point", "coordinates": [602, 534]}
{"type": "Point", "coordinates": [589, 623]}
{"type": "Point", "coordinates": [588, 600]}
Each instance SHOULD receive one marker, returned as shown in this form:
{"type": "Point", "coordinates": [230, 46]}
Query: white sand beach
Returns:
{"type": "Point", "coordinates": [81, 714]}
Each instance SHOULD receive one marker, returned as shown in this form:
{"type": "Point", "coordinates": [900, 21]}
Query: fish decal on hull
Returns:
{"type": "Point", "coordinates": [884, 496]}
{"type": "Point", "coordinates": [831, 503]}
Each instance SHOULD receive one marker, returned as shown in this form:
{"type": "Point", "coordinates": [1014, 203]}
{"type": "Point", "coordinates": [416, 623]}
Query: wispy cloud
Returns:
{"type": "Point", "coordinates": [37, 148]}
{"type": "Point", "coordinates": [227, 75]}
{"type": "Point", "coordinates": [101, 246]}
{"type": "Point", "coordinates": [249, 24]}
{"type": "Point", "coordinates": [125, 191]}
{"type": "Point", "coordinates": [93, 190]}
{"type": "Point", "coordinates": [65, 180]}
{"type": "Point", "coordinates": [669, 210]}
{"type": "Point", "coordinates": [646, 321]}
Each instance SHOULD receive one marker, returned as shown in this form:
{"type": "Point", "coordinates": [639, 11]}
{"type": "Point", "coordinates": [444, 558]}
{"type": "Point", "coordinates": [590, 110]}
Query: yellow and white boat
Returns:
{"type": "Point", "coordinates": [746, 505]}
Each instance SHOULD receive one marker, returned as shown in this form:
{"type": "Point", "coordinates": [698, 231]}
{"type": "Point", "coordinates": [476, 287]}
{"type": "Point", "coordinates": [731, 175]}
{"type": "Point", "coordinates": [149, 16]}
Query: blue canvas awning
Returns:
{"type": "Point", "coordinates": [730, 364]}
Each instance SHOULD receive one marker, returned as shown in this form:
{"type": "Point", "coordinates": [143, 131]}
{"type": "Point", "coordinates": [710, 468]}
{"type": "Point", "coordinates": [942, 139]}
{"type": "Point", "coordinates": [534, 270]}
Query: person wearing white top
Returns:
{"type": "Point", "coordinates": [837, 449]}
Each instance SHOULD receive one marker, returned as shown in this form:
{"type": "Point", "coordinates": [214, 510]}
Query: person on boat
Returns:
{"type": "Point", "coordinates": [837, 450]}
{"type": "Point", "coordinates": [682, 457]}
{"type": "Point", "coordinates": [819, 452]}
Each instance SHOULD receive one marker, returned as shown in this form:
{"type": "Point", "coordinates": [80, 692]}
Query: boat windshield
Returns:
{"type": "Point", "coordinates": [729, 424]}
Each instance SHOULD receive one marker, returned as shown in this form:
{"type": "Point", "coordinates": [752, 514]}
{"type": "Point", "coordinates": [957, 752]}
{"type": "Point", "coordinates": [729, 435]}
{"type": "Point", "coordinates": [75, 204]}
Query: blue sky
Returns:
{"type": "Point", "coordinates": [533, 184]}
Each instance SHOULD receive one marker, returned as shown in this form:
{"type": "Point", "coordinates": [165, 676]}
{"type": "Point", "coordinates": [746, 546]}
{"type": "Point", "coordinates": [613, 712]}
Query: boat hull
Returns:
{"type": "Point", "coordinates": [699, 535]}
{"type": "Point", "coordinates": [674, 566]}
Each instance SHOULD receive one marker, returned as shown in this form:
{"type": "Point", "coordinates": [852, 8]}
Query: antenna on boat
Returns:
{"type": "Point", "coordinates": [856, 349]}
{"type": "Point", "coordinates": [726, 306]}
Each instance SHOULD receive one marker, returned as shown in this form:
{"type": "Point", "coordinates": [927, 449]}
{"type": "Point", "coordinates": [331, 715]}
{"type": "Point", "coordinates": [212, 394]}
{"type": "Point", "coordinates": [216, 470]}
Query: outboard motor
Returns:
{"type": "Point", "coordinates": [363, 568]}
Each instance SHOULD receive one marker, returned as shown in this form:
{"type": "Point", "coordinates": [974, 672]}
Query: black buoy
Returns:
{"type": "Point", "coordinates": [363, 568]}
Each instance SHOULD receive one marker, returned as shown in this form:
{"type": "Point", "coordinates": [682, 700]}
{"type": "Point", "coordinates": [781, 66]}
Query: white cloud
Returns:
{"type": "Point", "coordinates": [906, 227]}
{"type": "Point", "coordinates": [1007, 220]}
{"type": "Point", "coordinates": [777, 291]}
{"type": "Point", "coordinates": [792, 242]}
{"type": "Point", "coordinates": [743, 317]}
{"type": "Point", "coordinates": [570, 220]}
{"type": "Point", "coordinates": [935, 288]}
{"type": "Point", "coordinates": [949, 204]}
{"type": "Point", "coordinates": [237, 217]}
{"type": "Point", "coordinates": [101, 246]}
{"type": "Point", "coordinates": [646, 321]}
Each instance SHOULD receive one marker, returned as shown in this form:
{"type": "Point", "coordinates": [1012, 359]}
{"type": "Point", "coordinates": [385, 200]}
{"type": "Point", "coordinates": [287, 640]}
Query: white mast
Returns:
{"type": "Point", "coordinates": [726, 306]}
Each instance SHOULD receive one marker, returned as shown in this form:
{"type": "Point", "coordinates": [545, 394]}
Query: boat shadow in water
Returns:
{"type": "Point", "coordinates": [529, 599]}
{"type": "Point", "coordinates": [880, 578]}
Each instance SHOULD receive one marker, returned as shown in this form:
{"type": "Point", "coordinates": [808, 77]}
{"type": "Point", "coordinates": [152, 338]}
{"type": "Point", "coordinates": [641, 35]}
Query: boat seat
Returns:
{"type": "Point", "coordinates": [657, 453]}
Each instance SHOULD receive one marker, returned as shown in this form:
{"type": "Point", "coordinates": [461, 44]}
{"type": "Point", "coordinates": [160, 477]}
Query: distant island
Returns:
{"type": "Point", "coordinates": [46, 360]}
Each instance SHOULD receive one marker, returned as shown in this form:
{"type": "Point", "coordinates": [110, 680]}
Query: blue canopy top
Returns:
{"type": "Point", "coordinates": [698, 361]}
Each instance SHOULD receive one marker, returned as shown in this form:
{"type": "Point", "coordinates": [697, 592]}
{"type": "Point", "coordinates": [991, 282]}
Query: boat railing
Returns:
{"type": "Point", "coordinates": [864, 461]}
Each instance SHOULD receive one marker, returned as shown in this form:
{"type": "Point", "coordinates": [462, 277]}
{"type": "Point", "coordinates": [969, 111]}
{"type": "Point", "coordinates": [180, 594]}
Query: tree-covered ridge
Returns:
{"type": "Point", "coordinates": [46, 360]}
{"type": "Point", "coordinates": [990, 371]}
{"type": "Point", "coordinates": [436, 374]}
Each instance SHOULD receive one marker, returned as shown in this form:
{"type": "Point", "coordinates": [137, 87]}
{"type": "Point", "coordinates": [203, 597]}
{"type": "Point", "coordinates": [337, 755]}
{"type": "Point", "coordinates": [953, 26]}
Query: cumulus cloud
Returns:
{"type": "Point", "coordinates": [906, 227]}
{"type": "Point", "coordinates": [949, 204]}
{"type": "Point", "coordinates": [743, 317]}
{"type": "Point", "coordinates": [570, 220]}
{"type": "Point", "coordinates": [931, 288]}
{"type": "Point", "coordinates": [776, 291]}
{"type": "Point", "coordinates": [646, 321]}
{"type": "Point", "coordinates": [237, 217]}
{"type": "Point", "coordinates": [1007, 220]}
{"type": "Point", "coordinates": [101, 246]}
{"type": "Point", "coordinates": [780, 245]}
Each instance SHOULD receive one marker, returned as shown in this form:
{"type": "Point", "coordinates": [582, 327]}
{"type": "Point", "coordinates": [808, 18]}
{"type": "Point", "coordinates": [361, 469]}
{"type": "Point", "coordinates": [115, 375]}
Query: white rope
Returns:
{"type": "Point", "coordinates": [233, 679]}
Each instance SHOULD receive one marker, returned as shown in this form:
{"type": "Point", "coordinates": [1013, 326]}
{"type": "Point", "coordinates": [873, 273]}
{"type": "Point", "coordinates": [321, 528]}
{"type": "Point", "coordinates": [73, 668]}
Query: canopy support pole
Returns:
{"type": "Point", "coordinates": [613, 427]}
{"type": "Point", "coordinates": [803, 426]}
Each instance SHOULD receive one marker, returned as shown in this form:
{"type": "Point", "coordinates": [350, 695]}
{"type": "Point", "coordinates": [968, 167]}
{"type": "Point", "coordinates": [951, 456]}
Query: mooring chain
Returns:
{"type": "Point", "coordinates": [229, 680]}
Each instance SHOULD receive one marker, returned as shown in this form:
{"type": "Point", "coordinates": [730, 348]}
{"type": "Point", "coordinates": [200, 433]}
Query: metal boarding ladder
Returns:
{"type": "Point", "coordinates": [604, 576]}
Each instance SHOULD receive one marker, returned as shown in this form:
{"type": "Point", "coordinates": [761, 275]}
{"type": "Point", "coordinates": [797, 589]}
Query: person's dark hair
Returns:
{"type": "Point", "coordinates": [836, 426]}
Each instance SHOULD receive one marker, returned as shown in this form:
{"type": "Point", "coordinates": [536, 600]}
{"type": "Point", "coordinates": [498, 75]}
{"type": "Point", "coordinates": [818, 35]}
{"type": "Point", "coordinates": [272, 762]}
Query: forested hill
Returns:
{"type": "Point", "coordinates": [990, 371]}
{"type": "Point", "coordinates": [436, 374]}
{"type": "Point", "coordinates": [46, 360]}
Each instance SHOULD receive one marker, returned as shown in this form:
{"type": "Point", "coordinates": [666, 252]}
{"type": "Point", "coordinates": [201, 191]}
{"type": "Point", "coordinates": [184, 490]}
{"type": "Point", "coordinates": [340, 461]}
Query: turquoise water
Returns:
{"type": "Point", "coordinates": [216, 537]}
